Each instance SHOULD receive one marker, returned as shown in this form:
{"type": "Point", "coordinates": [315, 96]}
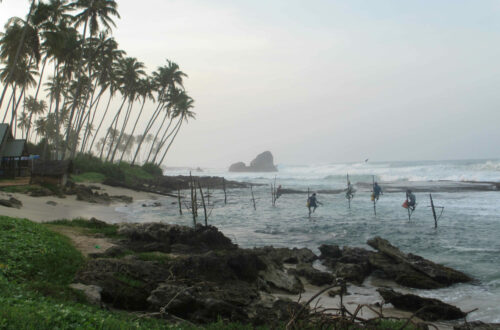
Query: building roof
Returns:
{"type": "Point", "coordinates": [15, 148]}
{"type": "Point", "coordinates": [51, 167]}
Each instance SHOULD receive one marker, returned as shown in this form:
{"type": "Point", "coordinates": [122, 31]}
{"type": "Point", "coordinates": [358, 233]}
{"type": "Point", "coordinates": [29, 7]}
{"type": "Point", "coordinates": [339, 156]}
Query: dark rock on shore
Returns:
{"type": "Point", "coordinates": [215, 279]}
{"type": "Point", "coordinates": [286, 255]}
{"type": "Point", "coordinates": [264, 162]}
{"type": "Point", "coordinates": [428, 309]}
{"type": "Point", "coordinates": [351, 264]}
{"type": "Point", "coordinates": [87, 194]}
{"type": "Point", "coordinates": [312, 275]}
{"type": "Point", "coordinates": [156, 235]}
{"type": "Point", "coordinates": [412, 270]}
{"type": "Point", "coordinates": [11, 202]}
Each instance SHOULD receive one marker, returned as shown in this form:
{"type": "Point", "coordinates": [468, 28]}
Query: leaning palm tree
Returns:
{"type": "Point", "coordinates": [167, 79]}
{"type": "Point", "coordinates": [12, 51]}
{"type": "Point", "coordinates": [183, 110]}
{"type": "Point", "coordinates": [144, 90]}
{"type": "Point", "coordinates": [130, 72]}
{"type": "Point", "coordinates": [18, 51]}
{"type": "Point", "coordinates": [92, 14]}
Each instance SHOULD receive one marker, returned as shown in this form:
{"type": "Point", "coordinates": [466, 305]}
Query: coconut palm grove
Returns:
{"type": "Point", "coordinates": [68, 89]}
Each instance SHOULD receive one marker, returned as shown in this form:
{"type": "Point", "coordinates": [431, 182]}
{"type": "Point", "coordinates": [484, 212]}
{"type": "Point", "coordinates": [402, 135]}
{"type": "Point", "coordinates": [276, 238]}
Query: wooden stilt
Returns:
{"type": "Point", "coordinates": [253, 198]}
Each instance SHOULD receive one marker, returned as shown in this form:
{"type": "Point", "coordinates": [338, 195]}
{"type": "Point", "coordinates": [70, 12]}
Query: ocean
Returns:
{"type": "Point", "coordinates": [467, 237]}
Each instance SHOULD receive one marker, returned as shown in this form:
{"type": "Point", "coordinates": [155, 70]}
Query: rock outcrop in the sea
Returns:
{"type": "Point", "coordinates": [264, 162]}
{"type": "Point", "coordinates": [411, 270]}
{"type": "Point", "coordinates": [427, 309]}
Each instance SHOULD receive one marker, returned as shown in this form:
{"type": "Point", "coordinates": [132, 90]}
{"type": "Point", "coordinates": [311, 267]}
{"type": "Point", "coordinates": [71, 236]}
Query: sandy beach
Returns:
{"type": "Point", "coordinates": [38, 209]}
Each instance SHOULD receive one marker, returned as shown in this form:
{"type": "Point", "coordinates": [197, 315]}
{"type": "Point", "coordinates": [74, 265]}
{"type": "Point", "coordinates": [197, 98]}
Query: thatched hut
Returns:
{"type": "Point", "coordinates": [51, 171]}
{"type": "Point", "coordinates": [14, 159]}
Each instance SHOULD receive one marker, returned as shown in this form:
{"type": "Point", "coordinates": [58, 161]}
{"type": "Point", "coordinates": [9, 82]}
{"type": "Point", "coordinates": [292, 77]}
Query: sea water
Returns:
{"type": "Point", "coordinates": [467, 237]}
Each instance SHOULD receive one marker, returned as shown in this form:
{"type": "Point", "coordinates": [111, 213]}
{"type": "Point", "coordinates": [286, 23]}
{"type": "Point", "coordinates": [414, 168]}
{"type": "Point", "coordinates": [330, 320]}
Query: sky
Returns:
{"type": "Point", "coordinates": [323, 81]}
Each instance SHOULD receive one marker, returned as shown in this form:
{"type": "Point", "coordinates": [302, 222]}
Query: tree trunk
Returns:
{"type": "Point", "coordinates": [133, 128]}
{"type": "Point", "coordinates": [100, 124]}
{"type": "Point", "coordinates": [148, 127]}
{"type": "Point", "coordinates": [170, 144]}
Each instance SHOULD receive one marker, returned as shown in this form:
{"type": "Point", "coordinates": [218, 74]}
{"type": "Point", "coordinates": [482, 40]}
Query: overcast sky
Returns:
{"type": "Point", "coordinates": [324, 81]}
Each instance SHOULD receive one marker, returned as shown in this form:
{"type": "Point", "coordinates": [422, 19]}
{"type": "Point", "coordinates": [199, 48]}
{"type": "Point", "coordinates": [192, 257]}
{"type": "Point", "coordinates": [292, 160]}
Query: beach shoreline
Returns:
{"type": "Point", "coordinates": [42, 209]}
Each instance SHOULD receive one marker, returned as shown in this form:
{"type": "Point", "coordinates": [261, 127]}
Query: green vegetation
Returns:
{"type": "Point", "coordinates": [93, 227]}
{"type": "Point", "coordinates": [89, 177]}
{"type": "Point", "coordinates": [20, 189]}
{"type": "Point", "coordinates": [96, 170]}
{"type": "Point", "coordinates": [154, 256]}
{"type": "Point", "coordinates": [72, 42]}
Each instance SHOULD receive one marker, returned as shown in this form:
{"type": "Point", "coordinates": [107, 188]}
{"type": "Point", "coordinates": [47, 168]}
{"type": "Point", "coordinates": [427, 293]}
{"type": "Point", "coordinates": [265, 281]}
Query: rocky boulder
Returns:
{"type": "Point", "coordinates": [287, 255]}
{"type": "Point", "coordinates": [161, 237]}
{"type": "Point", "coordinates": [428, 309]}
{"type": "Point", "coordinates": [351, 264]}
{"type": "Point", "coordinates": [264, 162]}
{"type": "Point", "coordinates": [11, 202]}
{"type": "Point", "coordinates": [412, 270]}
{"type": "Point", "coordinates": [312, 275]}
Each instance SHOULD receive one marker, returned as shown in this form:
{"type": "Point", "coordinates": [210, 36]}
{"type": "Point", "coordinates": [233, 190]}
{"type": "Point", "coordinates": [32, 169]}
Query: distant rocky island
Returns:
{"type": "Point", "coordinates": [264, 162]}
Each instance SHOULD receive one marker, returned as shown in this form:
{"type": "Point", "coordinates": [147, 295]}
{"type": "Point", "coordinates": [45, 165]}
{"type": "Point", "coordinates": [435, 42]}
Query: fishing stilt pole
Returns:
{"type": "Point", "coordinates": [203, 204]}
{"type": "Point", "coordinates": [374, 197]}
{"type": "Point", "coordinates": [348, 193]}
{"type": "Point", "coordinates": [224, 188]}
{"type": "Point", "coordinates": [408, 207]}
{"type": "Point", "coordinates": [433, 211]}
{"type": "Point", "coordinates": [253, 198]}
{"type": "Point", "coordinates": [179, 200]}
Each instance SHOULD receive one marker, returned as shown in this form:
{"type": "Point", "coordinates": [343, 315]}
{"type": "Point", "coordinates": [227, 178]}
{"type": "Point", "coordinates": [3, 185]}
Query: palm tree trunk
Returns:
{"type": "Point", "coordinates": [78, 89]}
{"type": "Point", "coordinates": [173, 138]}
{"type": "Point", "coordinates": [148, 127]}
{"type": "Point", "coordinates": [156, 135]}
{"type": "Point", "coordinates": [164, 139]}
{"type": "Point", "coordinates": [36, 94]}
{"type": "Point", "coordinates": [133, 128]}
{"type": "Point", "coordinates": [125, 122]}
{"type": "Point", "coordinates": [100, 124]}
{"type": "Point", "coordinates": [107, 133]}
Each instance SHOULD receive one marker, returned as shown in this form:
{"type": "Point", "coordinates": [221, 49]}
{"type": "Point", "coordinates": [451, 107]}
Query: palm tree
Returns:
{"type": "Point", "coordinates": [182, 110]}
{"type": "Point", "coordinates": [18, 52]}
{"type": "Point", "coordinates": [93, 13]}
{"type": "Point", "coordinates": [107, 56]}
{"type": "Point", "coordinates": [167, 78]}
{"type": "Point", "coordinates": [130, 71]}
{"type": "Point", "coordinates": [13, 52]}
{"type": "Point", "coordinates": [144, 89]}
{"type": "Point", "coordinates": [34, 107]}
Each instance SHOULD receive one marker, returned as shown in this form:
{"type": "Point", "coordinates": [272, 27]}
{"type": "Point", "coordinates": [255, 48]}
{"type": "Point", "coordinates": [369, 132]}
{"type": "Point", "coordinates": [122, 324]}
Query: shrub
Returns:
{"type": "Point", "coordinates": [152, 169]}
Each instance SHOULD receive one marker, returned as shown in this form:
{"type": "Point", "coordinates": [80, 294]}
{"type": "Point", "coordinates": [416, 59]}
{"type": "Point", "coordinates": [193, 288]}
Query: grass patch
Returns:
{"type": "Point", "coordinates": [154, 256]}
{"type": "Point", "coordinates": [89, 177]}
{"type": "Point", "coordinates": [31, 252]}
{"type": "Point", "coordinates": [20, 189]}
{"type": "Point", "coordinates": [92, 227]}
{"type": "Point", "coordinates": [132, 282]}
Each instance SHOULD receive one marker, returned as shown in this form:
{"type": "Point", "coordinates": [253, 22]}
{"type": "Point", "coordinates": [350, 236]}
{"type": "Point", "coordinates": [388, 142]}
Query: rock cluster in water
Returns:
{"type": "Point", "coordinates": [264, 162]}
{"type": "Point", "coordinates": [198, 274]}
